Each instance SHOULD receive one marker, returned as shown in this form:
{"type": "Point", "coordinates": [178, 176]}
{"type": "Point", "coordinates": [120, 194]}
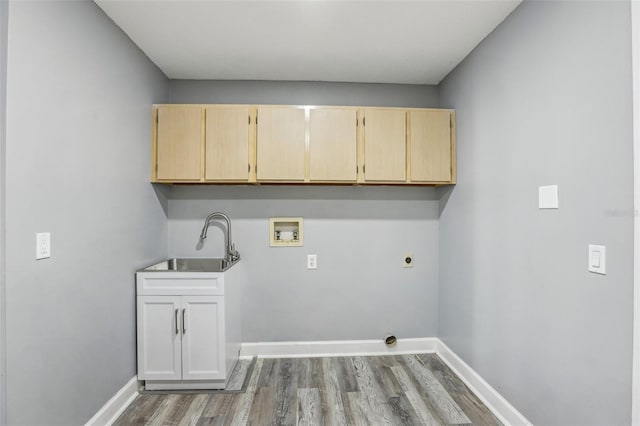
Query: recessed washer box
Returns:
{"type": "Point", "coordinates": [285, 232]}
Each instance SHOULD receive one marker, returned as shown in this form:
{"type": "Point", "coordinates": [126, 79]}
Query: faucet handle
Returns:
{"type": "Point", "coordinates": [233, 254]}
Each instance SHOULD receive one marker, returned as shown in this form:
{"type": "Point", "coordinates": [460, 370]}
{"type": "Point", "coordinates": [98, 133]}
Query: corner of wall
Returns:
{"type": "Point", "coordinates": [635, 42]}
{"type": "Point", "coordinates": [4, 20]}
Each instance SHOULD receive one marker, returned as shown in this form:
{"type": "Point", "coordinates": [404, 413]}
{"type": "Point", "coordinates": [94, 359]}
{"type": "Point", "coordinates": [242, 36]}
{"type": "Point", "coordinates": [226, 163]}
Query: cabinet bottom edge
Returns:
{"type": "Point", "coordinates": [184, 384]}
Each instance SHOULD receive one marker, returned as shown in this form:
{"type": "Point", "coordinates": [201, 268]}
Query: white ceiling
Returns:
{"type": "Point", "coordinates": [416, 42]}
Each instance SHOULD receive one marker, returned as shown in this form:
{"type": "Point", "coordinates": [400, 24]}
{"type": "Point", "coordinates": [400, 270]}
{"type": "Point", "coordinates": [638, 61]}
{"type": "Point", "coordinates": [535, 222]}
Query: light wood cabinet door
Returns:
{"type": "Point", "coordinates": [332, 145]}
{"type": "Point", "coordinates": [385, 153]}
{"type": "Point", "coordinates": [179, 143]}
{"type": "Point", "coordinates": [159, 353]}
{"type": "Point", "coordinates": [430, 146]}
{"type": "Point", "coordinates": [281, 144]}
{"type": "Point", "coordinates": [203, 338]}
{"type": "Point", "coordinates": [227, 143]}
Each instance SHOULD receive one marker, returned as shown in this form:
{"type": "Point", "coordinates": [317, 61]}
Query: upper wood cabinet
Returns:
{"type": "Point", "coordinates": [227, 140]}
{"type": "Point", "coordinates": [430, 146]}
{"type": "Point", "coordinates": [303, 144]}
{"type": "Point", "coordinates": [385, 155]}
{"type": "Point", "coordinates": [281, 144]}
{"type": "Point", "coordinates": [332, 145]}
{"type": "Point", "coordinates": [179, 143]}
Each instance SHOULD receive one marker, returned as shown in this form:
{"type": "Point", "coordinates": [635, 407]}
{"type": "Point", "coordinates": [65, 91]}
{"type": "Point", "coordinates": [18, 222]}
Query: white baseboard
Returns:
{"type": "Point", "coordinates": [498, 405]}
{"type": "Point", "coordinates": [116, 405]}
{"type": "Point", "coordinates": [336, 348]}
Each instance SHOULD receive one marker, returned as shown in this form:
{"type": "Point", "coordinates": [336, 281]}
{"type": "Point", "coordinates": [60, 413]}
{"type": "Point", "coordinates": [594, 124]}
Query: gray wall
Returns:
{"type": "Point", "coordinates": [303, 93]}
{"type": "Point", "coordinates": [360, 234]}
{"type": "Point", "coordinates": [78, 139]}
{"type": "Point", "coordinates": [545, 99]}
{"type": "Point", "coordinates": [4, 19]}
{"type": "Point", "coordinates": [360, 289]}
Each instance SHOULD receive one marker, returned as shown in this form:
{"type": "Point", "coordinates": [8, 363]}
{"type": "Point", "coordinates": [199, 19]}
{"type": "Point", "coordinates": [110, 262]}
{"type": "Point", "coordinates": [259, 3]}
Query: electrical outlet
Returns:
{"type": "Point", "coordinates": [312, 261]}
{"type": "Point", "coordinates": [43, 245]}
{"type": "Point", "coordinates": [407, 260]}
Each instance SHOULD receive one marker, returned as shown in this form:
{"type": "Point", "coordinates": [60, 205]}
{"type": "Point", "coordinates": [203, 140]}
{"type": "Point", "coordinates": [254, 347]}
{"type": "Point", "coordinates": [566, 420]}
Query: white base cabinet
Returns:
{"type": "Point", "coordinates": [188, 327]}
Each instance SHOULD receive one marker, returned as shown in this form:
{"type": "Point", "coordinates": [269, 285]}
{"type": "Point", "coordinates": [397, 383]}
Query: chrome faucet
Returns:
{"type": "Point", "coordinates": [231, 254]}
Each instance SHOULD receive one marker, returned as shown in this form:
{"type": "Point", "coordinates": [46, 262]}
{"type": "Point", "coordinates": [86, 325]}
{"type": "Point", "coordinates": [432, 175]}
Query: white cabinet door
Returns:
{"type": "Point", "coordinates": [159, 338]}
{"type": "Point", "coordinates": [203, 337]}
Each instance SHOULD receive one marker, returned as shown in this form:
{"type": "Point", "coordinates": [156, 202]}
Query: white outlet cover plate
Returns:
{"type": "Point", "coordinates": [597, 259]}
{"type": "Point", "coordinates": [43, 245]}
{"type": "Point", "coordinates": [312, 261]}
{"type": "Point", "coordinates": [548, 197]}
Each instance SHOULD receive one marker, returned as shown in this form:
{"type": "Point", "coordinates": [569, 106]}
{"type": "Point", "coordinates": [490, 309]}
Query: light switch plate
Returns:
{"type": "Point", "coordinates": [597, 259]}
{"type": "Point", "coordinates": [43, 245]}
{"type": "Point", "coordinates": [548, 197]}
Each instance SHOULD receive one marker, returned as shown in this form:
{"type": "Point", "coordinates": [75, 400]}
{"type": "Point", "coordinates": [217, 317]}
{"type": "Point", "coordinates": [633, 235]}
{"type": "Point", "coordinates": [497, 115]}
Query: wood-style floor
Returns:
{"type": "Point", "coordinates": [379, 390]}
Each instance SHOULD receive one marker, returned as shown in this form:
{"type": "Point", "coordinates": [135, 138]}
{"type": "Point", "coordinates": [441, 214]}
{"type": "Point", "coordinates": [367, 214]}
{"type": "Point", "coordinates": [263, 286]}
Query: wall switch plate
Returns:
{"type": "Point", "coordinates": [43, 245]}
{"type": "Point", "coordinates": [312, 261]}
{"type": "Point", "coordinates": [597, 259]}
{"type": "Point", "coordinates": [407, 260]}
{"type": "Point", "coordinates": [548, 197]}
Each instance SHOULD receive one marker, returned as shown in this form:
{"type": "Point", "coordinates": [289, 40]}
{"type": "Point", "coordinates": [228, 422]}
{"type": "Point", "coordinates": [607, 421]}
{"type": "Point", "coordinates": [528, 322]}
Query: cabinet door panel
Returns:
{"type": "Point", "coordinates": [203, 337]}
{"type": "Point", "coordinates": [227, 143]}
{"type": "Point", "coordinates": [430, 133]}
{"type": "Point", "coordinates": [332, 145]}
{"type": "Point", "coordinates": [385, 145]}
{"type": "Point", "coordinates": [158, 338]}
{"type": "Point", "coordinates": [281, 144]}
{"type": "Point", "coordinates": [179, 143]}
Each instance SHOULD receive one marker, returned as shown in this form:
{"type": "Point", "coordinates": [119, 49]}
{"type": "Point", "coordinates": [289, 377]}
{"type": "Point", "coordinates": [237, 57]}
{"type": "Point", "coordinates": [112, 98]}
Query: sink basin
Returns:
{"type": "Point", "coordinates": [191, 265]}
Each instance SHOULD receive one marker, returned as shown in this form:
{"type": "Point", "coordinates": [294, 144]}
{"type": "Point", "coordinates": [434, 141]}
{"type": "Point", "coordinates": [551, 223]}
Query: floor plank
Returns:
{"type": "Point", "coordinates": [335, 405]}
{"type": "Point", "coordinates": [194, 411]}
{"type": "Point", "coordinates": [477, 412]}
{"type": "Point", "coordinates": [140, 411]}
{"type": "Point", "coordinates": [171, 408]}
{"type": "Point", "coordinates": [360, 413]}
{"type": "Point", "coordinates": [309, 411]}
{"type": "Point", "coordinates": [245, 402]}
{"type": "Point", "coordinates": [385, 377]}
{"type": "Point", "coordinates": [262, 409]}
{"type": "Point", "coordinates": [449, 411]}
{"type": "Point", "coordinates": [220, 409]}
{"type": "Point", "coordinates": [346, 376]}
{"type": "Point", "coordinates": [372, 391]}
{"type": "Point", "coordinates": [403, 411]}
{"type": "Point", "coordinates": [285, 393]}
{"type": "Point", "coordinates": [381, 390]}
{"type": "Point", "coordinates": [239, 374]}
{"type": "Point", "coordinates": [419, 404]}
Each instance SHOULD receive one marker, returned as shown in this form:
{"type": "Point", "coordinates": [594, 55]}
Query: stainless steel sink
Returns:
{"type": "Point", "coordinates": [191, 265]}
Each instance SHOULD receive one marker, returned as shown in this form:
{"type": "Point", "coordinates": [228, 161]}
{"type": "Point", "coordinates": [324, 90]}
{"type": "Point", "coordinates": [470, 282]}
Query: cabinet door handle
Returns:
{"type": "Point", "coordinates": [177, 329]}
{"type": "Point", "coordinates": [184, 323]}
